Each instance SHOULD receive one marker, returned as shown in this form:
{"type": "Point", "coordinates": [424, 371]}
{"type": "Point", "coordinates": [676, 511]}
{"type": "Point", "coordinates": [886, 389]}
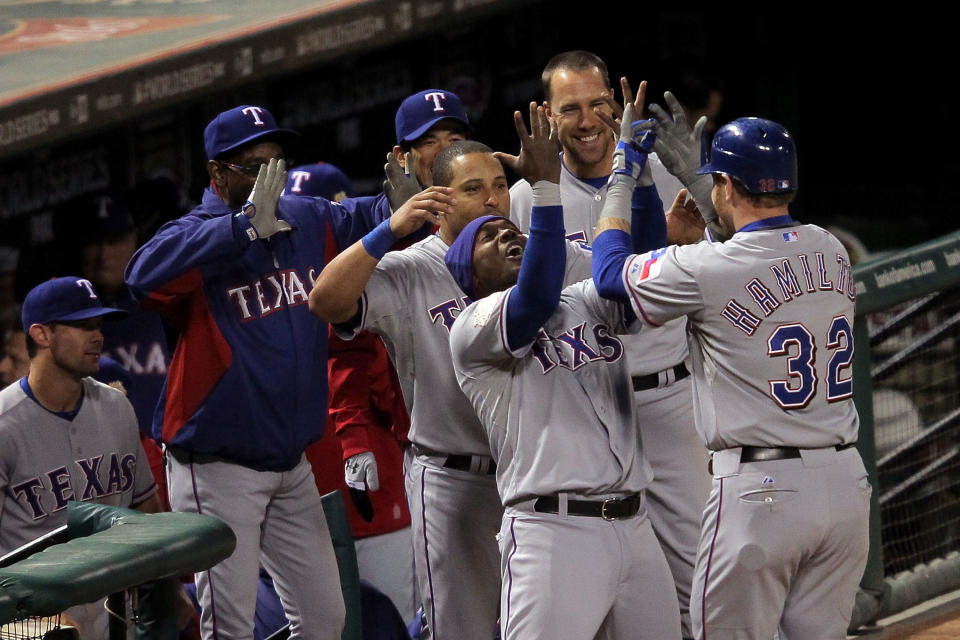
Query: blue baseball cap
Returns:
{"type": "Point", "coordinates": [319, 179]}
{"type": "Point", "coordinates": [459, 258]}
{"type": "Point", "coordinates": [63, 300]}
{"type": "Point", "coordinates": [422, 110]}
{"type": "Point", "coordinates": [239, 126]}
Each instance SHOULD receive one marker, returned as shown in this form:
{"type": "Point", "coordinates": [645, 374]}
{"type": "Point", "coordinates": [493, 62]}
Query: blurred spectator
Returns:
{"type": "Point", "coordinates": [14, 363]}
{"type": "Point", "coordinates": [139, 341]}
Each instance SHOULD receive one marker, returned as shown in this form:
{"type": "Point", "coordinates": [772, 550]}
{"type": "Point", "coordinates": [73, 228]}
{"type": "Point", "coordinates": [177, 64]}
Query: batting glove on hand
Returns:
{"type": "Point", "coordinates": [637, 140]}
{"type": "Point", "coordinates": [261, 206]}
{"type": "Point", "coordinates": [360, 472]}
{"type": "Point", "coordinates": [400, 184]}
{"type": "Point", "coordinates": [680, 149]}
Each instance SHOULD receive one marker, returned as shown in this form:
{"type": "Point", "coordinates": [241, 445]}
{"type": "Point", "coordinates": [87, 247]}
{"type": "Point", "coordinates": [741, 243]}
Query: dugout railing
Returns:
{"type": "Point", "coordinates": [907, 390]}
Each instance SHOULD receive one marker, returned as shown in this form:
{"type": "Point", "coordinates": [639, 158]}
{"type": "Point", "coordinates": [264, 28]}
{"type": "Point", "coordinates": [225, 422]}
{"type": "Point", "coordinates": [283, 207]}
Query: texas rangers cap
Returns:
{"type": "Point", "coordinates": [240, 125]}
{"type": "Point", "coordinates": [63, 300]}
{"type": "Point", "coordinates": [319, 179]}
{"type": "Point", "coordinates": [459, 257]}
{"type": "Point", "coordinates": [422, 110]}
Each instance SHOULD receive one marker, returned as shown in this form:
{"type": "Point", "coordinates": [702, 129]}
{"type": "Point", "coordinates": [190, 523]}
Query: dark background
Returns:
{"type": "Point", "coordinates": [867, 100]}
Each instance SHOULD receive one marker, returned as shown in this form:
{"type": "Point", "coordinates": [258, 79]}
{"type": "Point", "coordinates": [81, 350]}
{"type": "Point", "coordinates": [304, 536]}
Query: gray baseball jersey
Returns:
{"type": "Point", "coordinates": [658, 348]}
{"type": "Point", "coordinates": [680, 486]}
{"type": "Point", "coordinates": [772, 332]}
{"type": "Point", "coordinates": [784, 540]}
{"type": "Point", "coordinates": [555, 403]}
{"type": "Point", "coordinates": [412, 301]}
{"type": "Point", "coordinates": [46, 460]}
{"type": "Point", "coordinates": [559, 416]}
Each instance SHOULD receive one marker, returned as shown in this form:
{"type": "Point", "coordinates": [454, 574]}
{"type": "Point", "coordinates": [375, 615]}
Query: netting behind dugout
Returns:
{"type": "Point", "coordinates": [915, 348]}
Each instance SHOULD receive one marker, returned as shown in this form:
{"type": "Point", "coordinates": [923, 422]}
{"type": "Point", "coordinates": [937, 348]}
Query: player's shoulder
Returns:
{"type": "Point", "coordinates": [105, 393]}
{"type": "Point", "coordinates": [11, 397]}
{"type": "Point", "coordinates": [427, 252]}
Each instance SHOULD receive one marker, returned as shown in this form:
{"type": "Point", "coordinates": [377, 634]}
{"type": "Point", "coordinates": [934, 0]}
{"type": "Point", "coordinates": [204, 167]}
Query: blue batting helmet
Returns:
{"type": "Point", "coordinates": [759, 153]}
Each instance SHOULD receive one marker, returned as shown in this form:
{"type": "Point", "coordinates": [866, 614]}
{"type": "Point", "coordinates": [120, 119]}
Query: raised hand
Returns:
{"type": "Point", "coordinates": [628, 98]}
{"type": "Point", "coordinates": [684, 224]}
{"type": "Point", "coordinates": [539, 157]}
{"type": "Point", "coordinates": [400, 184]}
{"type": "Point", "coordinates": [424, 206]}
{"type": "Point", "coordinates": [678, 146]}
{"type": "Point", "coordinates": [261, 205]}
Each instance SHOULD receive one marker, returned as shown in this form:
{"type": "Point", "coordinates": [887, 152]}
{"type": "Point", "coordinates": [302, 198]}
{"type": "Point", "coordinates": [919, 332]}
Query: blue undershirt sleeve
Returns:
{"type": "Point", "coordinates": [610, 251]}
{"type": "Point", "coordinates": [540, 282]}
{"type": "Point", "coordinates": [647, 221]}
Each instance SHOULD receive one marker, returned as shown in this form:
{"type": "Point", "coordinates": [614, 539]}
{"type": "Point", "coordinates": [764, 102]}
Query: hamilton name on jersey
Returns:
{"type": "Point", "coordinates": [576, 347]}
{"type": "Point", "coordinates": [789, 279]}
{"type": "Point", "coordinates": [102, 476]}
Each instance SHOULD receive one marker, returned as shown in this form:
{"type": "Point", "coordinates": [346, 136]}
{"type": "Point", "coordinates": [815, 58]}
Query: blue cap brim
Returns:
{"type": "Point", "coordinates": [288, 134]}
{"type": "Point", "coordinates": [419, 131]}
{"type": "Point", "coordinates": [92, 312]}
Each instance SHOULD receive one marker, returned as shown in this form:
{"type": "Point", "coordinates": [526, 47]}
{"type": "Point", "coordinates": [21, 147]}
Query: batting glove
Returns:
{"type": "Point", "coordinates": [400, 185]}
{"type": "Point", "coordinates": [360, 472]}
{"type": "Point", "coordinates": [261, 206]}
{"type": "Point", "coordinates": [636, 142]}
{"type": "Point", "coordinates": [681, 151]}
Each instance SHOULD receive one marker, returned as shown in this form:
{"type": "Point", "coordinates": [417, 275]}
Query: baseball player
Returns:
{"type": "Point", "coordinates": [546, 374]}
{"type": "Point", "coordinates": [409, 298]}
{"type": "Point", "coordinates": [576, 88]}
{"type": "Point", "coordinates": [784, 537]}
{"type": "Point", "coordinates": [366, 410]}
{"type": "Point", "coordinates": [246, 391]}
{"type": "Point", "coordinates": [64, 436]}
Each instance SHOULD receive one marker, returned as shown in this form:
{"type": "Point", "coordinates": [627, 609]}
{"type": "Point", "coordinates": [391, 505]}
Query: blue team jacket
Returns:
{"type": "Point", "coordinates": [248, 378]}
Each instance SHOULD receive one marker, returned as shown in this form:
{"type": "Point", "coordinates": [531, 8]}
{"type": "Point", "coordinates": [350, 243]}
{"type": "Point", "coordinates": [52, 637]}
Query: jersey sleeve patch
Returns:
{"type": "Point", "coordinates": [647, 267]}
{"type": "Point", "coordinates": [485, 309]}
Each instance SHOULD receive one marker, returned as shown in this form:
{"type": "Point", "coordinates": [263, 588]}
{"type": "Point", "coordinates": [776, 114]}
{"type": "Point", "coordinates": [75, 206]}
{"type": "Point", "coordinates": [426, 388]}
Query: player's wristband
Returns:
{"type": "Point", "coordinates": [379, 241]}
{"type": "Point", "coordinates": [619, 196]}
{"type": "Point", "coordinates": [546, 194]}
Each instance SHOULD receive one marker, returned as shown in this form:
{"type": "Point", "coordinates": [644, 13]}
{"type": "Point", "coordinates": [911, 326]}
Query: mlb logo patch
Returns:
{"type": "Point", "coordinates": [790, 236]}
{"type": "Point", "coordinates": [783, 185]}
{"type": "Point", "coordinates": [648, 267]}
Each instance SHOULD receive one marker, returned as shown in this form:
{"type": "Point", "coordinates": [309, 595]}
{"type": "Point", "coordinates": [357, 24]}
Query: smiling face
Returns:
{"type": "Point", "coordinates": [587, 142]}
{"type": "Point", "coordinates": [480, 188]}
{"type": "Point", "coordinates": [497, 255]}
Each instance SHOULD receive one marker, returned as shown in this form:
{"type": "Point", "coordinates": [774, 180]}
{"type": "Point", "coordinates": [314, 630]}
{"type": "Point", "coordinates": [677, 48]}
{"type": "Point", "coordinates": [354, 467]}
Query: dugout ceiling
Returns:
{"type": "Point", "coordinates": [70, 66]}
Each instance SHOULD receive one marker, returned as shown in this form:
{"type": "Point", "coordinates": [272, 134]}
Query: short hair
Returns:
{"type": "Point", "coordinates": [576, 60]}
{"type": "Point", "coordinates": [759, 200]}
{"type": "Point", "coordinates": [442, 171]}
{"type": "Point", "coordinates": [447, 124]}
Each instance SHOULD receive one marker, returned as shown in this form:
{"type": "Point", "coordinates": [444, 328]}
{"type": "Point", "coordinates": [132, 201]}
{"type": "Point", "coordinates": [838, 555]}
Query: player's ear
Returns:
{"type": "Point", "coordinates": [217, 174]}
{"type": "Point", "coordinates": [40, 334]}
{"type": "Point", "coordinates": [400, 155]}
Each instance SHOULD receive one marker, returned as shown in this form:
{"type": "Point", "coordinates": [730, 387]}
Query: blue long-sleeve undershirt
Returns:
{"type": "Point", "coordinates": [540, 282]}
{"type": "Point", "coordinates": [648, 224]}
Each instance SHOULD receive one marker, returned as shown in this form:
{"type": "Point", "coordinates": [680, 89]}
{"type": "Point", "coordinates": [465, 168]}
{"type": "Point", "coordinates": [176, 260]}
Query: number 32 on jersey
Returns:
{"type": "Point", "coordinates": [795, 343]}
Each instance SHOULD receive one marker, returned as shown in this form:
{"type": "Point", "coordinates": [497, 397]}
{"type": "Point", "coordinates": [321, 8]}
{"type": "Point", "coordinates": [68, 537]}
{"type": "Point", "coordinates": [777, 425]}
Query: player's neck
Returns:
{"type": "Point", "coordinates": [742, 216]}
{"type": "Point", "coordinates": [54, 388]}
{"type": "Point", "coordinates": [600, 169]}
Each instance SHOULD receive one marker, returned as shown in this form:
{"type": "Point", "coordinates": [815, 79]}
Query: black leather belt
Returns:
{"type": "Point", "coordinates": [612, 509]}
{"type": "Point", "coordinates": [465, 463]}
{"type": "Point", "coordinates": [652, 380]}
{"type": "Point", "coordinates": [759, 454]}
